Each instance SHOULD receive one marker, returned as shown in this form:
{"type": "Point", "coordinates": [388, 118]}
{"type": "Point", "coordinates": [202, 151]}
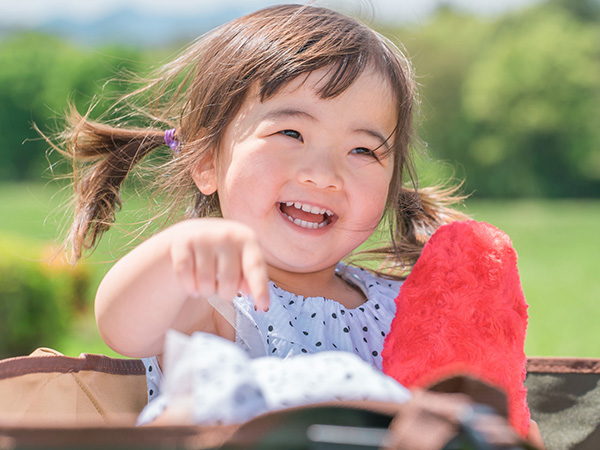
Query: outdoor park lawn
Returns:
{"type": "Point", "coordinates": [557, 242]}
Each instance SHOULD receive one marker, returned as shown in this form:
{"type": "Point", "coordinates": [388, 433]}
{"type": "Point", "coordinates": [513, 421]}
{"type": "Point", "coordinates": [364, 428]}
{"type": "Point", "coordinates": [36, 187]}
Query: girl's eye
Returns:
{"type": "Point", "coordinates": [293, 134]}
{"type": "Point", "coordinates": [364, 151]}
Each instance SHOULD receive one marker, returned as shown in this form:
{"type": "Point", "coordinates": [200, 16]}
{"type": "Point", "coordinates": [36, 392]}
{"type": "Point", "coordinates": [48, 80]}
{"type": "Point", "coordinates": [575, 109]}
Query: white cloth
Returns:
{"type": "Point", "coordinates": [293, 326]}
{"type": "Point", "coordinates": [224, 385]}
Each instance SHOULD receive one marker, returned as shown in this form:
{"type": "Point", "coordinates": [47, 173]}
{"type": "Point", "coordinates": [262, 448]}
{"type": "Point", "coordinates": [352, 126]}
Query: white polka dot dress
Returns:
{"type": "Point", "coordinates": [323, 351]}
{"type": "Point", "coordinates": [296, 325]}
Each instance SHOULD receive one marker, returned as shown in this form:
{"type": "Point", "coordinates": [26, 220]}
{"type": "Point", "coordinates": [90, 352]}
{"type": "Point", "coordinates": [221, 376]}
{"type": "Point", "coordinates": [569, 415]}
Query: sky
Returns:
{"type": "Point", "coordinates": [31, 13]}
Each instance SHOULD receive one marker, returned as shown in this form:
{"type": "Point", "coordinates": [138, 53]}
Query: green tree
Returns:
{"type": "Point", "coordinates": [513, 102]}
{"type": "Point", "coordinates": [533, 98]}
{"type": "Point", "coordinates": [442, 51]}
{"type": "Point", "coordinates": [38, 75]}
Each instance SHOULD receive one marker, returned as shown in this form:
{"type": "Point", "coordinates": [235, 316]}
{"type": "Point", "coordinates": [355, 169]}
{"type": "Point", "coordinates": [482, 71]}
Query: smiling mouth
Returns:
{"type": "Point", "coordinates": [305, 215]}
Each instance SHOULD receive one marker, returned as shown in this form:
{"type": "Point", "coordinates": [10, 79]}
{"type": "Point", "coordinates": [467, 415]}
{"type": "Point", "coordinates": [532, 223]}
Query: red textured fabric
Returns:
{"type": "Point", "coordinates": [462, 310]}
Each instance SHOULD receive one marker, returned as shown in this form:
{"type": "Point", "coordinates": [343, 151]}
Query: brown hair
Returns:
{"type": "Point", "coordinates": [202, 90]}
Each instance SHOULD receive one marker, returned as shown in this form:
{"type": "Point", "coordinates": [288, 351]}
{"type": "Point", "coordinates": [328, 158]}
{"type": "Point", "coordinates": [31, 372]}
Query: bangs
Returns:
{"type": "Point", "coordinates": [341, 73]}
{"type": "Point", "coordinates": [285, 42]}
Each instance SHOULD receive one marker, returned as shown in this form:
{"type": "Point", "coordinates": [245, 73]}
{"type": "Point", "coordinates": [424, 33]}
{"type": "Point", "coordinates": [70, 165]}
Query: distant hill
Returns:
{"type": "Point", "coordinates": [135, 28]}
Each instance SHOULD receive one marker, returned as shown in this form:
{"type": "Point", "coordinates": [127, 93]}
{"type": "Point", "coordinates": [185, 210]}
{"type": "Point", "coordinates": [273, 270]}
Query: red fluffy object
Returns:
{"type": "Point", "coordinates": [462, 310]}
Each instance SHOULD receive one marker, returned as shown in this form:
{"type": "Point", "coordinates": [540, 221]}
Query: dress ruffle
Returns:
{"type": "Point", "coordinates": [296, 325]}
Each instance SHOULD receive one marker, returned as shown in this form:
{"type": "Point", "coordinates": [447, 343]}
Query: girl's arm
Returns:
{"type": "Point", "coordinates": [164, 283]}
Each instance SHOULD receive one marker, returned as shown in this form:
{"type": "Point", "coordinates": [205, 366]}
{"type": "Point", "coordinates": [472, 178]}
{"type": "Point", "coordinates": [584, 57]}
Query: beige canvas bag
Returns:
{"type": "Point", "coordinates": [47, 387]}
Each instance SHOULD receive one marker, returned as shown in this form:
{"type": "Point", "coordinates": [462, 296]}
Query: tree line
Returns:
{"type": "Point", "coordinates": [510, 104]}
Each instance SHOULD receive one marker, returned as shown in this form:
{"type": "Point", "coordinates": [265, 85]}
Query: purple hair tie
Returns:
{"type": "Point", "coordinates": [171, 141]}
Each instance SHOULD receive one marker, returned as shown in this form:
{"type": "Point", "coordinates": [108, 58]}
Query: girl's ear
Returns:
{"type": "Point", "coordinates": [205, 176]}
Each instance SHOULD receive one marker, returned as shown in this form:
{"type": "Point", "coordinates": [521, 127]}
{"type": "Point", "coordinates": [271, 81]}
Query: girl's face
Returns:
{"type": "Point", "coordinates": [308, 174]}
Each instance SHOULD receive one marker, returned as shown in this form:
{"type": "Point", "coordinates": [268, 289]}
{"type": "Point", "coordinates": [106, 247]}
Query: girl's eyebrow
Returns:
{"type": "Point", "coordinates": [376, 135]}
{"type": "Point", "coordinates": [287, 112]}
{"type": "Point", "coordinates": [290, 112]}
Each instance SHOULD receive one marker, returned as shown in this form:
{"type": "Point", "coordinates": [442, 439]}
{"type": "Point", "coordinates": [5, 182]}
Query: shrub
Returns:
{"type": "Point", "coordinates": [38, 298]}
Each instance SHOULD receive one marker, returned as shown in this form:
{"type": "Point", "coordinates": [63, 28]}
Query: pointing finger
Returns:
{"type": "Point", "coordinates": [255, 274]}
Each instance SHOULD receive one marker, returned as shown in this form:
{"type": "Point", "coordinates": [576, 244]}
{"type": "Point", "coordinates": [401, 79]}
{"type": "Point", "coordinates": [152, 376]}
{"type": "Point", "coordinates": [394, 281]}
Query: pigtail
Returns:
{"type": "Point", "coordinates": [102, 157]}
{"type": "Point", "coordinates": [412, 219]}
{"type": "Point", "coordinates": [419, 213]}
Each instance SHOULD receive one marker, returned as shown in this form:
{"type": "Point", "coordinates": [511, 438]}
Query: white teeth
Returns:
{"type": "Point", "coordinates": [309, 208]}
{"type": "Point", "coordinates": [305, 224]}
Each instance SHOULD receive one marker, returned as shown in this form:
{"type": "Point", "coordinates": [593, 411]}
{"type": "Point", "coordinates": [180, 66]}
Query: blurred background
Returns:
{"type": "Point", "coordinates": [510, 102]}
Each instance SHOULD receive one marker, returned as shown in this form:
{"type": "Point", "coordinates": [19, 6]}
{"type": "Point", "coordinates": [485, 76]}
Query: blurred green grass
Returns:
{"type": "Point", "coordinates": [39, 212]}
{"type": "Point", "coordinates": [557, 242]}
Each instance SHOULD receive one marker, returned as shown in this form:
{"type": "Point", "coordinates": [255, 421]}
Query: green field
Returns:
{"type": "Point", "coordinates": [557, 242]}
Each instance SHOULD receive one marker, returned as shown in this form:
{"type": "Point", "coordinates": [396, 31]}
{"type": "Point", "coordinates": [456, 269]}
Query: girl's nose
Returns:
{"type": "Point", "coordinates": [320, 170]}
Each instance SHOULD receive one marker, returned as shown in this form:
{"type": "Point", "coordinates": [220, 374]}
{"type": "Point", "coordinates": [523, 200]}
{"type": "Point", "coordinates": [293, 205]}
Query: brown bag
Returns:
{"type": "Point", "coordinates": [49, 388]}
{"type": "Point", "coordinates": [52, 401]}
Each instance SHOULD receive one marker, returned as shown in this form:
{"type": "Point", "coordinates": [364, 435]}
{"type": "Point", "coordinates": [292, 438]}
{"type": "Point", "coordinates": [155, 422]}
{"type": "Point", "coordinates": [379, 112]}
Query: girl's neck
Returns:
{"type": "Point", "coordinates": [323, 283]}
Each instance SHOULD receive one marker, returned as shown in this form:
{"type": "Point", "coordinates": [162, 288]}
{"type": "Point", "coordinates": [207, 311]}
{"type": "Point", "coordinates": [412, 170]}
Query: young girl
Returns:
{"type": "Point", "coordinates": [290, 132]}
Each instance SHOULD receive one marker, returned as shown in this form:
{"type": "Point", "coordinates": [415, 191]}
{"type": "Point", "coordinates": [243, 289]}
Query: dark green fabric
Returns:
{"type": "Point", "coordinates": [566, 407]}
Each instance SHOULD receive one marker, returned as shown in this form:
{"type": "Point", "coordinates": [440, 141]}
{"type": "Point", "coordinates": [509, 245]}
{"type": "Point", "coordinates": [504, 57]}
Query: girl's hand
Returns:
{"type": "Point", "coordinates": [150, 290]}
{"type": "Point", "coordinates": [218, 256]}
{"type": "Point", "coordinates": [534, 436]}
